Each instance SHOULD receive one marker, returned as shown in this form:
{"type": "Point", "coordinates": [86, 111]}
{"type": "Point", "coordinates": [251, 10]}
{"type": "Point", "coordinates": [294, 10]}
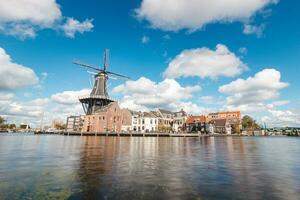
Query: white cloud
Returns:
{"type": "Point", "coordinates": [277, 103]}
{"type": "Point", "coordinates": [6, 96]}
{"type": "Point", "coordinates": [243, 50]}
{"type": "Point", "coordinates": [205, 63]}
{"type": "Point", "coordinates": [72, 26]}
{"type": "Point", "coordinates": [194, 14]}
{"type": "Point", "coordinates": [69, 97]}
{"type": "Point", "coordinates": [59, 106]}
{"type": "Point", "coordinates": [22, 31]}
{"type": "Point", "coordinates": [281, 118]}
{"type": "Point", "coordinates": [14, 75]}
{"type": "Point", "coordinates": [251, 94]}
{"type": "Point", "coordinates": [33, 108]}
{"type": "Point", "coordinates": [145, 94]}
{"type": "Point", "coordinates": [24, 18]}
{"type": "Point", "coordinates": [145, 39]}
{"type": "Point", "coordinates": [253, 29]}
{"type": "Point", "coordinates": [41, 12]}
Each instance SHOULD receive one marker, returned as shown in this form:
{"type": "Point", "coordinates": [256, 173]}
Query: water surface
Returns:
{"type": "Point", "coordinates": [65, 167]}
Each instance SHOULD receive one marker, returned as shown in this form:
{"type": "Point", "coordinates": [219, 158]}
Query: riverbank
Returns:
{"type": "Point", "coordinates": [139, 134]}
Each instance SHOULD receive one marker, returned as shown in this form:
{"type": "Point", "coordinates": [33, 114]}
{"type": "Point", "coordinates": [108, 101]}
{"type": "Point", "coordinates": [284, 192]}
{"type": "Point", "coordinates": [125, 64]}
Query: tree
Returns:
{"type": "Point", "coordinates": [249, 123]}
{"type": "Point", "coordinates": [12, 126]}
{"type": "Point", "coordinates": [2, 120]}
{"type": "Point", "coordinates": [60, 126]}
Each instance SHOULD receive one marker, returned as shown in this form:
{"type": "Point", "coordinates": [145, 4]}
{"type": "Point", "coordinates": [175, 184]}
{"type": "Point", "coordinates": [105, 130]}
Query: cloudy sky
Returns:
{"type": "Point", "coordinates": [196, 55]}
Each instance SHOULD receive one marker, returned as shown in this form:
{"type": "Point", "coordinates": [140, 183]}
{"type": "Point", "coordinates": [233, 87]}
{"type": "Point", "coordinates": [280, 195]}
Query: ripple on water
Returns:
{"type": "Point", "coordinates": [61, 167]}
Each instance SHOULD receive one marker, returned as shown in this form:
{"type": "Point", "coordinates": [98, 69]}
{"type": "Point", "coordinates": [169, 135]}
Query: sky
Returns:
{"type": "Point", "coordinates": [200, 56]}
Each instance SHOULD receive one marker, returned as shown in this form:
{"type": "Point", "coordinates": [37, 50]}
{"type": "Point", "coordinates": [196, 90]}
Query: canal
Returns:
{"type": "Point", "coordinates": [74, 167]}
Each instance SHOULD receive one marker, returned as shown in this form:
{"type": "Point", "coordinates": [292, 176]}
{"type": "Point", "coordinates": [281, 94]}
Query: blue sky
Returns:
{"type": "Point", "coordinates": [47, 44]}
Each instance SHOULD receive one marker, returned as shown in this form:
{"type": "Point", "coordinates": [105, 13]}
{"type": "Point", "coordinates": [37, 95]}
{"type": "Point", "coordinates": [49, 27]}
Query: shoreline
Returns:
{"type": "Point", "coordinates": [149, 134]}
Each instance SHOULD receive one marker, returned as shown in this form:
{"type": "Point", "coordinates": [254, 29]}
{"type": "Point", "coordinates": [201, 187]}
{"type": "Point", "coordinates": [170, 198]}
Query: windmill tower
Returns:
{"type": "Point", "coordinates": [98, 97]}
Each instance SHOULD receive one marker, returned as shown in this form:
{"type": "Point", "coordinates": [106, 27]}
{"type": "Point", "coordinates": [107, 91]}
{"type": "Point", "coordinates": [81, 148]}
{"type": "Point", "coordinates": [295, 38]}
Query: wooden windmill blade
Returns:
{"type": "Point", "coordinates": [118, 75]}
{"type": "Point", "coordinates": [88, 66]}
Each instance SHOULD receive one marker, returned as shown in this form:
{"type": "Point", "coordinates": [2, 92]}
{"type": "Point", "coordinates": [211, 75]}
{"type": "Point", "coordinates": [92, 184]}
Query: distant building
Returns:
{"type": "Point", "coordinates": [179, 119]}
{"type": "Point", "coordinates": [24, 126]}
{"type": "Point", "coordinates": [74, 123]}
{"type": "Point", "coordinates": [197, 124]}
{"type": "Point", "coordinates": [233, 118]}
{"type": "Point", "coordinates": [165, 122]}
{"type": "Point", "coordinates": [220, 126]}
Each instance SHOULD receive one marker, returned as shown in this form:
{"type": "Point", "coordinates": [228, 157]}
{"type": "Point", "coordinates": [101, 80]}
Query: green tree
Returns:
{"type": "Point", "coordinates": [12, 126]}
{"type": "Point", "coordinates": [2, 120]}
{"type": "Point", "coordinates": [249, 123]}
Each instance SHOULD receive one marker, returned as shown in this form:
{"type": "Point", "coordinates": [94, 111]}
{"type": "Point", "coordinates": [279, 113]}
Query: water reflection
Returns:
{"type": "Point", "coordinates": [184, 168]}
{"type": "Point", "coordinates": [149, 168]}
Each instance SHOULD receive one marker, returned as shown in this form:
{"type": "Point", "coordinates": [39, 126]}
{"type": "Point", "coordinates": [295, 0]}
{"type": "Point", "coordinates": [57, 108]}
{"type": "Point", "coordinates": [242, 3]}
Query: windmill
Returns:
{"type": "Point", "coordinates": [98, 97]}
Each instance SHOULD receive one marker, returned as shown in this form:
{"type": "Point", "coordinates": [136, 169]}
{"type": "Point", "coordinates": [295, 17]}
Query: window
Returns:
{"type": "Point", "coordinates": [103, 118]}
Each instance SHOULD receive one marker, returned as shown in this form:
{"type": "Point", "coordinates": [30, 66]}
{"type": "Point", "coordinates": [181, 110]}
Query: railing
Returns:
{"type": "Point", "coordinates": [95, 97]}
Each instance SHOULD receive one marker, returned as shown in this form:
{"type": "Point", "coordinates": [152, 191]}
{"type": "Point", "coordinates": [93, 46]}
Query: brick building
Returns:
{"type": "Point", "coordinates": [233, 118]}
{"type": "Point", "coordinates": [111, 118]}
{"type": "Point", "coordinates": [197, 124]}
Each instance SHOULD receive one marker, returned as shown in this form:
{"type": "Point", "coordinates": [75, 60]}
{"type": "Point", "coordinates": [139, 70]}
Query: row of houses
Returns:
{"type": "Point", "coordinates": [114, 119]}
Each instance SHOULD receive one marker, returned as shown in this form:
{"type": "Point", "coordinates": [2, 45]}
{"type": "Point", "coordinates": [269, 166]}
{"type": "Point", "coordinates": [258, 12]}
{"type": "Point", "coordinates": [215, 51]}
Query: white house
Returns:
{"type": "Point", "coordinates": [144, 122]}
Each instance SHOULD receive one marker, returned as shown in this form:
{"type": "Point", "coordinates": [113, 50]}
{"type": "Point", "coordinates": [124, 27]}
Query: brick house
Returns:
{"type": "Point", "coordinates": [220, 126]}
{"type": "Point", "coordinates": [108, 119]}
{"type": "Point", "coordinates": [233, 118]}
{"type": "Point", "coordinates": [197, 124]}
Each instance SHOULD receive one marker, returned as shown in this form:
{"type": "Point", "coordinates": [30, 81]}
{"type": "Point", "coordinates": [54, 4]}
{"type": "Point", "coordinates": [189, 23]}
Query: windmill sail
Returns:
{"type": "Point", "coordinates": [98, 97]}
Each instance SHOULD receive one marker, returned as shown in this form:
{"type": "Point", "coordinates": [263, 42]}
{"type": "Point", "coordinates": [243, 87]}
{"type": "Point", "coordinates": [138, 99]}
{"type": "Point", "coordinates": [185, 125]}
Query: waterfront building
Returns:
{"type": "Point", "coordinates": [24, 127]}
{"type": "Point", "coordinates": [127, 120]}
{"type": "Point", "coordinates": [179, 119]}
{"type": "Point", "coordinates": [220, 126]}
{"type": "Point", "coordinates": [145, 122]}
{"type": "Point", "coordinates": [233, 118]}
{"type": "Point", "coordinates": [165, 122]}
{"type": "Point", "coordinates": [197, 124]}
{"type": "Point", "coordinates": [107, 119]}
{"type": "Point", "coordinates": [74, 123]}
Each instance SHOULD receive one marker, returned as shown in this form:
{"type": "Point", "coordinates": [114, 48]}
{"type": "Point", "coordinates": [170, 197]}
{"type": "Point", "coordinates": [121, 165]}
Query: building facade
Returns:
{"type": "Point", "coordinates": [165, 122]}
{"type": "Point", "coordinates": [179, 119]}
{"type": "Point", "coordinates": [127, 117]}
{"type": "Point", "coordinates": [198, 124]}
{"type": "Point", "coordinates": [74, 123]}
{"type": "Point", "coordinates": [145, 122]}
{"type": "Point", "coordinates": [233, 118]}
{"type": "Point", "coordinates": [107, 119]}
{"type": "Point", "coordinates": [220, 126]}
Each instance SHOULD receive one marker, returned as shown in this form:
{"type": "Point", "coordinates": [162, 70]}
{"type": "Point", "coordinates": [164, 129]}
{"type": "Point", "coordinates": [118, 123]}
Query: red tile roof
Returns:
{"type": "Point", "coordinates": [193, 119]}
